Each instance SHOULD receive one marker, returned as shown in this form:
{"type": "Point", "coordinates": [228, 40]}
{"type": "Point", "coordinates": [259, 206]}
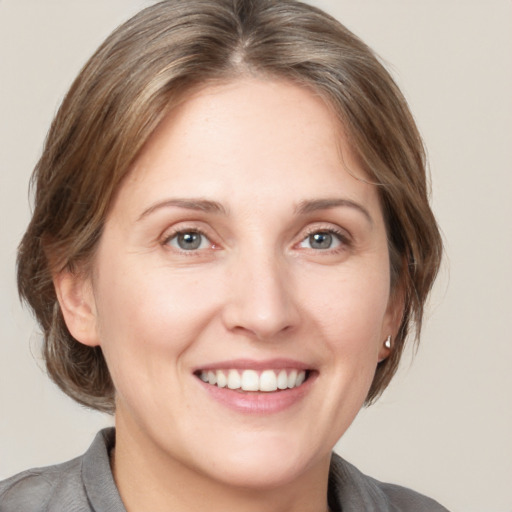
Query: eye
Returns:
{"type": "Point", "coordinates": [188, 241]}
{"type": "Point", "coordinates": [322, 240]}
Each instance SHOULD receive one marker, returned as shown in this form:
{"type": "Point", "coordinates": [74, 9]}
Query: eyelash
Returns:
{"type": "Point", "coordinates": [182, 231]}
{"type": "Point", "coordinates": [341, 236]}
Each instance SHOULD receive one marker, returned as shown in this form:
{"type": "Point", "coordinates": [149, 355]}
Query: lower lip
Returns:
{"type": "Point", "coordinates": [259, 402]}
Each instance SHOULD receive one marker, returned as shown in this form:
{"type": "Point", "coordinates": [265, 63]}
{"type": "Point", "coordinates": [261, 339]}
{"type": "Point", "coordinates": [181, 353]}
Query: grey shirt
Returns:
{"type": "Point", "coordinates": [86, 484]}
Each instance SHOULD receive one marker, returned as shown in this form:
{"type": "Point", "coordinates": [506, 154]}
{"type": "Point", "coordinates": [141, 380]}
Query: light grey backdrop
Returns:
{"type": "Point", "coordinates": [445, 425]}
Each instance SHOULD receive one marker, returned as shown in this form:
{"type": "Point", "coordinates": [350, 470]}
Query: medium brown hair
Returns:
{"type": "Point", "coordinates": [138, 75]}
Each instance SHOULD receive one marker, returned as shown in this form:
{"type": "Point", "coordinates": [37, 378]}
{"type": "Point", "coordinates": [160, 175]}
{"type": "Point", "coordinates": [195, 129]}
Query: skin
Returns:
{"type": "Point", "coordinates": [257, 288]}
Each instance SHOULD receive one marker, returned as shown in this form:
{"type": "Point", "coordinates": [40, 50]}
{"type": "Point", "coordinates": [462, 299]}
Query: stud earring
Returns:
{"type": "Point", "coordinates": [387, 343]}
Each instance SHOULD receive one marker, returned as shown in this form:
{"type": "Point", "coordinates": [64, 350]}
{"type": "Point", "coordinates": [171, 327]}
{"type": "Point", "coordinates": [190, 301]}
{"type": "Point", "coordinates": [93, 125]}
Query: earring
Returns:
{"type": "Point", "coordinates": [387, 343]}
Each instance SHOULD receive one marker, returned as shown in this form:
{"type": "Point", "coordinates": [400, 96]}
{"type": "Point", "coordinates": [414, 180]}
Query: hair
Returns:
{"type": "Point", "coordinates": [138, 75]}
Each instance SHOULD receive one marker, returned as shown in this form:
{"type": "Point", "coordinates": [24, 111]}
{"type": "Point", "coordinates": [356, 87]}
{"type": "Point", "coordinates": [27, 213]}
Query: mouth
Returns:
{"type": "Point", "coordinates": [259, 387]}
{"type": "Point", "coordinates": [252, 380]}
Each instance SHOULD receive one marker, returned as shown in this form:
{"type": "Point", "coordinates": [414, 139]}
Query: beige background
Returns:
{"type": "Point", "coordinates": [445, 425]}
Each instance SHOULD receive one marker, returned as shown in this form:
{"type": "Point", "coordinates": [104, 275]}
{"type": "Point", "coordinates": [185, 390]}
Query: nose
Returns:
{"type": "Point", "coordinates": [261, 300]}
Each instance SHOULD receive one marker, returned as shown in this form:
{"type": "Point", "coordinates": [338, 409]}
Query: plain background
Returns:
{"type": "Point", "coordinates": [444, 427]}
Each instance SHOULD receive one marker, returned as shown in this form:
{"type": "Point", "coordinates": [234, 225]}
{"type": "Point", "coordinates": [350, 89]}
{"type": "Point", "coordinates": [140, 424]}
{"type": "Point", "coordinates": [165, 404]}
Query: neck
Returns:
{"type": "Point", "coordinates": [150, 480]}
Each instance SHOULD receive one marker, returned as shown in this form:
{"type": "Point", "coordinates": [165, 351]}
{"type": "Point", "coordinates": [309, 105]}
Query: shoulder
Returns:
{"type": "Point", "coordinates": [80, 485]}
{"type": "Point", "coordinates": [36, 489]}
{"type": "Point", "coordinates": [404, 499]}
{"type": "Point", "coordinates": [354, 490]}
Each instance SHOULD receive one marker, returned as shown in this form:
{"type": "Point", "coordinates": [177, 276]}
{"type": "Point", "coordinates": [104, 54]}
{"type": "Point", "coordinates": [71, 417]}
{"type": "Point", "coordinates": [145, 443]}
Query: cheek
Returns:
{"type": "Point", "coordinates": [351, 305]}
{"type": "Point", "coordinates": [148, 319]}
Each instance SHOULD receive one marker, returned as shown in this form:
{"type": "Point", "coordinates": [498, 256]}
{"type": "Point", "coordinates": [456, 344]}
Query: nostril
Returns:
{"type": "Point", "coordinates": [260, 302]}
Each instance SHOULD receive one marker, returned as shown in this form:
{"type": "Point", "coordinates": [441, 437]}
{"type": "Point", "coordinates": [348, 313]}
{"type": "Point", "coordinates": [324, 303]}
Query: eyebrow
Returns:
{"type": "Point", "coordinates": [305, 207]}
{"type": "Point", "coordinates": [202, 205]}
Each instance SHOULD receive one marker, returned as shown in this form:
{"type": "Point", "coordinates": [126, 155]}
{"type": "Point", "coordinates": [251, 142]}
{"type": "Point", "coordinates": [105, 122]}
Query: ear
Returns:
{"type": "Point", "coordinates": [76, 300]}
{"type": "Point", "coordinates": [392, 321]}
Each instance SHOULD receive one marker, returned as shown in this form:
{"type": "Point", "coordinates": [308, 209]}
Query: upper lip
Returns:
{"type": "Point", "coordinates": [252, 364]}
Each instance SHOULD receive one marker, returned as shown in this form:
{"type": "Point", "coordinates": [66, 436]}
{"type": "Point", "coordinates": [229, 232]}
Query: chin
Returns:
{"type": "Point", "coordinates": [265, 463]}
{"type": "Point", "coordinates": [261, 475]}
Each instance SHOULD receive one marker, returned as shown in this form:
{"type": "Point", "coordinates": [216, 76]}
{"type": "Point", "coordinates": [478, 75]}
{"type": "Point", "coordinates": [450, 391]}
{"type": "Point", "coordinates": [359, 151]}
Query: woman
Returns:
{"type": "Point", "coordinates": [230, 242]}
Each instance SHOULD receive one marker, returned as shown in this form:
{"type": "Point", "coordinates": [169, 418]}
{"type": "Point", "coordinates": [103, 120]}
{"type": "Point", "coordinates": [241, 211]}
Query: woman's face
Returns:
{"type": "Point", "coordinates": [242, 251]}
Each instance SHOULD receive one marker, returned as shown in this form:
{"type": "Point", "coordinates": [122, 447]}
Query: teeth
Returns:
{"type": "Point", "coordinates": [268, 381]}
{"type": "Point", "coordinates": [251, 380]}
{"type": "Point", "coordinates": [222, 380]}
{"type": "Point", "coordinates": [292, 378]}
{"type": "Point", "coordinates": [282, 380]}
{"type": "Point", "coordinates": [234, 381]}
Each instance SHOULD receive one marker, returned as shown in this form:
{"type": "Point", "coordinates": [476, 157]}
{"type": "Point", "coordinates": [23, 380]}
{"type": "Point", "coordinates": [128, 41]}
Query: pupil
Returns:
{"type": "Point", "coordinates": [320, 240]}
{"type": "Point", "coordinates": [189, 241]}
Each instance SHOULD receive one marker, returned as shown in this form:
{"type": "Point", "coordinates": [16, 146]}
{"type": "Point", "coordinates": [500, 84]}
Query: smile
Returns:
{"type": "Point", "coordinates": [252, 380]}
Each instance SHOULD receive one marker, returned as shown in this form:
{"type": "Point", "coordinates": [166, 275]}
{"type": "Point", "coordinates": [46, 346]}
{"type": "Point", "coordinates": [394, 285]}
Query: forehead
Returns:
{"type": "Point", "coordinates": [272, 137]}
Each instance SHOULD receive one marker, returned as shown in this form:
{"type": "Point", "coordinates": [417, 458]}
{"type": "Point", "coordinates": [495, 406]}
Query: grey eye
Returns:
{"type": "Point", "coordinates": [320, 240]}
{"type": "Point", "coordinates": [189, 241]}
